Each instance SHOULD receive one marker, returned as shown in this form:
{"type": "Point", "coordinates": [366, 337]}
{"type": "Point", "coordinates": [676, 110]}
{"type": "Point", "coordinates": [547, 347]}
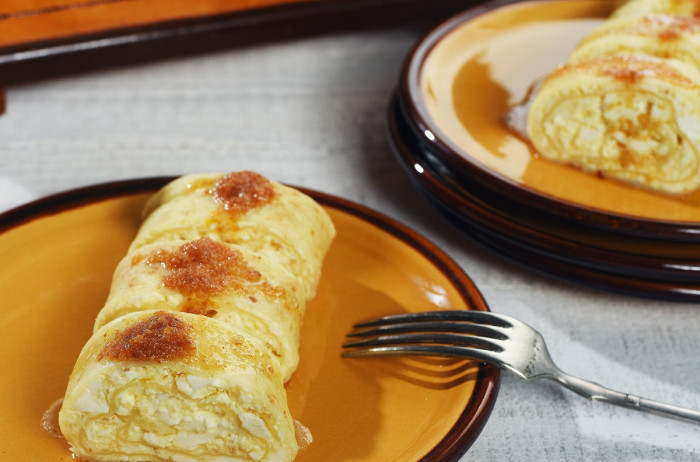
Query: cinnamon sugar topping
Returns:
{"type": "Point", "coordinates": [240, 192]}
{"type": "Point", "coordinates": [161, 337]}
{"type": "Point", "coordinates": [204, 267]}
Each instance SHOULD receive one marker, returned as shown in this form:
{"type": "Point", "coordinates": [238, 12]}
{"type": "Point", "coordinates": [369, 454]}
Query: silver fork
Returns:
{"type": "Point", "coordinates": [492, 338]}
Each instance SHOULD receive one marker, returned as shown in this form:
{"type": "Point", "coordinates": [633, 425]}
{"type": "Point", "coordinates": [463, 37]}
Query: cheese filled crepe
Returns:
{"type": "Point", "coordinates": [247, 209]}
{"type": "Point", "coordinates": [663, 36]}
{"type": "Point", "coordinates": [200, 331]}
{"type": "Point", "coordinates": [632, 118]}
{"type": "Point", "coordinates": [215, 279]}
{"type": "Point", "coordinates": [170, 386]}
{"type": "Point", "coordinates": [644, 7]}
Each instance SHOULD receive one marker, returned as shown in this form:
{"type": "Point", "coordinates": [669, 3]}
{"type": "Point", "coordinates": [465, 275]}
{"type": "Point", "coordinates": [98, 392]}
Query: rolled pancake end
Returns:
{"type": "Point", "coordinates": [156, 386]}
{"type": "Point", "coordinates": [634, 118]}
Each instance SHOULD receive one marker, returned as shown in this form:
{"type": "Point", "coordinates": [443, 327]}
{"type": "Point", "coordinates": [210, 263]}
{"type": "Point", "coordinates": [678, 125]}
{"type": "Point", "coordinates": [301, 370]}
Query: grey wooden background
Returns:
{"type": "Point", "coordinates": [311, 112]}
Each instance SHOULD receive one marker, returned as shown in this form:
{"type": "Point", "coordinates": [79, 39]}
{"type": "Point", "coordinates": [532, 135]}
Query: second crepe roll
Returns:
{"type": "Point", "coordinates": [663, 36]}
{"type": "Point", "coordinates": [632, 118]}
{"type": "Point", "coordinates": [247, 209]}
{"type": "Point", "coordinates": [214, 279]}
{"type": "Point", "coordinates": [633, 8]}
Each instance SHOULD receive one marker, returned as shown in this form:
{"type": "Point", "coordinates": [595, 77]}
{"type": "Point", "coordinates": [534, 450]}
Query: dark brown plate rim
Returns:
{"type": "Point", "coordinates": [511, 221]}
{"type": "Point", "coordinates": [550, 255]}
{"type": "Point", "coordinates": [477, 411]}
{"type": "Point", "coordinates": [470, 169]}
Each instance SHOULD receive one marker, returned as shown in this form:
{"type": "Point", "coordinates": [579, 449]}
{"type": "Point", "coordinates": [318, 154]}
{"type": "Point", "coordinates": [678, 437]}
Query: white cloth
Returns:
{"type": "Point", "coordinates": [13, 194]}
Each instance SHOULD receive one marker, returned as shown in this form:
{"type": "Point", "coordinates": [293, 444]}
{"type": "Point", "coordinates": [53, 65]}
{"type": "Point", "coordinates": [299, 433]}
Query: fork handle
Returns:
{"type": "Point", "coordinates": [593, 391]}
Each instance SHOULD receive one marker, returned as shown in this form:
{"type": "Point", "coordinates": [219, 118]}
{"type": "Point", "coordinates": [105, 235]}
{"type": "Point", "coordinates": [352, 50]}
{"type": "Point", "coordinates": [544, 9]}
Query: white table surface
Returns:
{"type": "Point", "coordinates": [311, 112]}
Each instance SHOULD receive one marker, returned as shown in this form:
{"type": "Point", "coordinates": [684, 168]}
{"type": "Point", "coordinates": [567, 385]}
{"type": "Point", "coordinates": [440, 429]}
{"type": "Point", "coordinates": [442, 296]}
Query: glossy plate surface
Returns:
{"type": "Point", "coordinates": [590, 258]}
{"type": "Point", "coordinates": [462, 78]}
{"type": "Point", "coordinates": [58, 257]}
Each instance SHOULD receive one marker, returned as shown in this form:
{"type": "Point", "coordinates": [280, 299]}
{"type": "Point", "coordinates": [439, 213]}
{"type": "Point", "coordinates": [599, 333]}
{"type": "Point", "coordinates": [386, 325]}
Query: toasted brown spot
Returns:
{"type": "Point", "coordinates": [201, 306]}
{"type": "Point", "coordinates": [662, 26]}
{"type": "Point", "coordinates": [626, 68]}
{"type": "Point", "coordinates": [240, 192]}
{"type": "Point", "coordinates": [160, 337]}
{"type": "Point", "coordinates": [626, 157]}
{"type": "Point", "coordinates": [136, 259]}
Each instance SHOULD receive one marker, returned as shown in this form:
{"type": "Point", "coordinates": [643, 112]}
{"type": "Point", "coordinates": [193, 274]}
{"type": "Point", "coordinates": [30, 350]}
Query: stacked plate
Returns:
{"type": "Point", "coordinates": [446, 127]}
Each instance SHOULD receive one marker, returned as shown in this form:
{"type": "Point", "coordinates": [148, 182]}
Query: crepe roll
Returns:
{"type": "Point", "coordinates": [631, 118]}
{"type": "Point", "coordinates": [168, 386]}
{"type": "Point", "coordinates": [247, 209]}
{"type": "Point", "coordinates": [663, 36]}
{"type": "Point", "coordinates": [644, 7]}
{"type": "Point", "coordinates": [215, 279]}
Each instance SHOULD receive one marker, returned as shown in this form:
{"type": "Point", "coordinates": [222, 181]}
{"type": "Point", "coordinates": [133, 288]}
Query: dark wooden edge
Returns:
{"type": "Point", "coordinates": [128, 46]}
{"type": "Point", "coordinates": [409, 93]}
{"type": "Point", "coordinates": [470, 422]}
{"type": "Point", "coordinates": [477, 223]}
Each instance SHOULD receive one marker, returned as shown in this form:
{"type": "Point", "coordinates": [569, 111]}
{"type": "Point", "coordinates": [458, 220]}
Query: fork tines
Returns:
{"type": "Point", "coordinates": [438, 333]}
{"type": "Point", "coordinates": [482, 317]}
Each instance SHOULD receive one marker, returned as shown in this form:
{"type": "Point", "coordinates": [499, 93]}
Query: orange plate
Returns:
{"type": "Point", "coordinates": [59, 254]}
{"type": "Point", "coordinates": [468, 72]}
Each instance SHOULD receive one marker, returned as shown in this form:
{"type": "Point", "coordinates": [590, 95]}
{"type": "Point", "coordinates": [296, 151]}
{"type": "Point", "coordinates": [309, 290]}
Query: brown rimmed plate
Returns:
{"type": "Point", "coordinates": [59, 254]}
{"type": "Point", "coordinates": [519, 236]}
{"type": "Point", "coordinates": [465, 74]}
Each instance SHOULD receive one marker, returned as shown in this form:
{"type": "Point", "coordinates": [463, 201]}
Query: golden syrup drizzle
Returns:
{"type": "Point", "coordinates": [49, 421]}
{"type": "Point", "coordinates": [302, 435]}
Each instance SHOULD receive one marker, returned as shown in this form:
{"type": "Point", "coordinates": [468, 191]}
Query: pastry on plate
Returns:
{"type": "Point", "coordinates": [644, 7]}
{"type": "Point", "coordinates": [247, 209]}
{"type": "Point", "coordinates": [200, 330]}
{"type": "Point", "coordinates": [215, 279]}
{"type": "Point", "coordinates": [634, 118]}
{"type": "Point", "coordinates": [663, 36]}
{"type": "Point", "coordinates": [170, 386]}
